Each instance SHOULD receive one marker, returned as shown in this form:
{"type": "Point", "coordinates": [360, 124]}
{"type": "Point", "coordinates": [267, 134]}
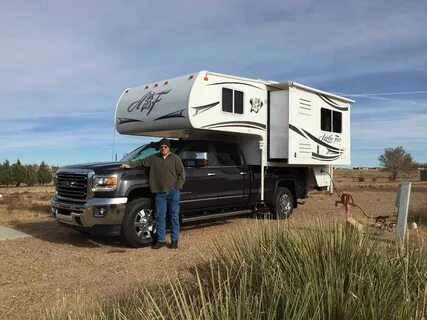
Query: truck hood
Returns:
{"type": "Point", "coordinates": [97, 166]}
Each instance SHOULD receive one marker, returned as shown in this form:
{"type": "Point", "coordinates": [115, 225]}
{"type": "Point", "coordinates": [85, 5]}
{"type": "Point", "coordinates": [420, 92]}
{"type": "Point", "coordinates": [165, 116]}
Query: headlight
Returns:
{"type": "Point", "coordinates": [104, 183]}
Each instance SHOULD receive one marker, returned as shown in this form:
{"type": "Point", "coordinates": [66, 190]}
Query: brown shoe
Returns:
{"type": "Point", "coordinates": [158, 245]}
{"type": "Point", "coordinates": [174, 245]}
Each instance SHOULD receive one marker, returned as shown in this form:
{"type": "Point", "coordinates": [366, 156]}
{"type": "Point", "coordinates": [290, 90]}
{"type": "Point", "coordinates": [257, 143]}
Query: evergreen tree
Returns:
{"type": "Point", "coordinates": [31, 177]}
{"type": "Point", "coordinates": [18, 173]}
{"type": "Point", "coordinates": [6, 177]}
{"type": "Point", "coordinates": [44, 174]}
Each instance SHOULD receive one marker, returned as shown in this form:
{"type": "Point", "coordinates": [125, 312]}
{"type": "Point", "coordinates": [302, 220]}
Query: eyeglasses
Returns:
{"type": "Point", "coordinates": [164, 147]}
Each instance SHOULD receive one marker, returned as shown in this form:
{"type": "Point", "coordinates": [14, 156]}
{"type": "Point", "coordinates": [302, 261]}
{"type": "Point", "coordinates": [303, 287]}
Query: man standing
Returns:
{"type": "Point", "coordinates": [167, 177]}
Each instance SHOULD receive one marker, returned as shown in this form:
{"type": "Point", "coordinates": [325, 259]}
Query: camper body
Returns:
{"type": "Point", "coordinates": [247, 145]}
{"type": "Point", "coordinates": [298, 125]}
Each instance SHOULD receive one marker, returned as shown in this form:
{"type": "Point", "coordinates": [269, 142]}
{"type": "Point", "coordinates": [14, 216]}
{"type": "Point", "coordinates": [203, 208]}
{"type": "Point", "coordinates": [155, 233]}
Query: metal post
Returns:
{"type": "Point", "coordinates": [263, 156]}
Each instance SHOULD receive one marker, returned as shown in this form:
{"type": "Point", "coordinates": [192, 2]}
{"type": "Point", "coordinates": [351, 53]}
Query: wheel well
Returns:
{"type": "Point", "coordinates": [291, 186]}
{"type": "Point", "coordinates": [139, 193]}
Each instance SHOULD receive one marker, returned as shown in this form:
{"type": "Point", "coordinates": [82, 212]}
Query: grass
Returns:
{"type": "Point", "coordinates": [282, 272]}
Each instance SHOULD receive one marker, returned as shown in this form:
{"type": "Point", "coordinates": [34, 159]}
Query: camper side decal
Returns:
{"type": "Point", "coordinates": [235, 82]}
{"type": "Point", "coordinates": [332, 153]}
{"type": "Point", "coordinates": [240, 124]}
{"type": "Point", "coordinates": [332, 103]}
{"type": "Point", "coordinates": [256, 104]}
{"type": "Point", "coordinates": [148, 101]}
{"type": "Point", "coordinates": [175, 114]}
{"type": "Point", "coordinates": [206, 107]}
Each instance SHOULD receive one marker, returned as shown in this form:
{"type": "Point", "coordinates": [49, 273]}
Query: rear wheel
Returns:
{"type": "Point", "coordinates": [139, 225]}
{"type": "Point", "coordinates": [283, 203]}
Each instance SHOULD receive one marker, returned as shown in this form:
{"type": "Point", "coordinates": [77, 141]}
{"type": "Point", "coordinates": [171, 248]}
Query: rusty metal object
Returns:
{"type": "Point", "coordinates": [346, 201]}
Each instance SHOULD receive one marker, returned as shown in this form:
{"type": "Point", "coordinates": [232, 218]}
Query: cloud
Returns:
{"type": "Point", "coordinates": [65, 64]}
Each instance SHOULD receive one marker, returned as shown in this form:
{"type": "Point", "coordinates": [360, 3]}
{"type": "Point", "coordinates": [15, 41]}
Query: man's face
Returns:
{"type": "Point", "coordinates": [164, 149]}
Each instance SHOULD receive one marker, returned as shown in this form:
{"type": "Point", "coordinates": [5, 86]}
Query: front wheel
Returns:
{"type": "Point", "coordinates": [139, 225]}
{"type": "Point", "coordinates": [283, 203]}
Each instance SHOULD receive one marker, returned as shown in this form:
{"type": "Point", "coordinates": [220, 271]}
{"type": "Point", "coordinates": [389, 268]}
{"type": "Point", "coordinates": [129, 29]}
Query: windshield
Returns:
{"type": "Point", "coordinates": [144, 152]}
{"type": "Point", "coordinates": [140, 153]}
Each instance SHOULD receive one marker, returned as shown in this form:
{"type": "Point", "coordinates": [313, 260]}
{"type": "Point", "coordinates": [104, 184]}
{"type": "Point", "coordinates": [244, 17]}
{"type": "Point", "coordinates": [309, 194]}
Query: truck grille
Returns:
{"type": "Point", "coordinates": [72, 185]}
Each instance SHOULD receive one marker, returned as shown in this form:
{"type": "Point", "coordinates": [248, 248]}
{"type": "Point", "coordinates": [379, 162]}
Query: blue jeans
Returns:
{"type": "Point", "coordinates": [167, 201]}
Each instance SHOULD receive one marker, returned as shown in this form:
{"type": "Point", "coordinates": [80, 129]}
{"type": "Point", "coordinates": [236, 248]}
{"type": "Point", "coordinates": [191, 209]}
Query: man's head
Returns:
{"type": "Point", "coordinates": [164, 146]}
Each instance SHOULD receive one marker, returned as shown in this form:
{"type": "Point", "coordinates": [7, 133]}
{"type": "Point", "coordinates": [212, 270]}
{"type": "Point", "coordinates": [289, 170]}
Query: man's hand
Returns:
{"type": "Point", "coordinates": [125, 166]}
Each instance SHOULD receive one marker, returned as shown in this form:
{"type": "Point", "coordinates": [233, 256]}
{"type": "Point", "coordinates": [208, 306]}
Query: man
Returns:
{"type": "Point", "coordinates": [167, 177]}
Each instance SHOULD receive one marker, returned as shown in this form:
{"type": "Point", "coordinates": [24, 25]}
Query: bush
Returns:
{"type": "Point", "coordinates": [374, 179]}
{"type": "Point", "coordinates": [361, 179]}
{"type": "Point", "coordinates": [275, 273]}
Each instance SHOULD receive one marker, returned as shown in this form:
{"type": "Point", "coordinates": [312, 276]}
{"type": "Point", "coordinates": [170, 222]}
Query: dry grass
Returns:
{"type": "Point", "coordinates": [54, 248]}
{"type": "Point", "coordinates": [24, 203]}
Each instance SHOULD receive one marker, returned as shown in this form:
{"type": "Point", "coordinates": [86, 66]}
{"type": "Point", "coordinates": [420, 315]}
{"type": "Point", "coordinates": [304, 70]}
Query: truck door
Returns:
{"type": "Point", "coordinates": [234, 175]}
{"type": "Point", "coordinates": [202, 184]}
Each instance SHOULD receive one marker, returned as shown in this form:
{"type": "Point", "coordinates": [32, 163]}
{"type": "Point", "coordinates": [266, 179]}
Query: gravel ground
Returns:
{"type": "Point", "coordinates": [39, 271]}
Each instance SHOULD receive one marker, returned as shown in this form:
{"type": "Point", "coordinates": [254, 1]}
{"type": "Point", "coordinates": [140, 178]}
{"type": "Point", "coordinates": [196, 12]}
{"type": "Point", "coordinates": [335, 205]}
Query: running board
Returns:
{"type": "Point", "coordinates": [216, 215]}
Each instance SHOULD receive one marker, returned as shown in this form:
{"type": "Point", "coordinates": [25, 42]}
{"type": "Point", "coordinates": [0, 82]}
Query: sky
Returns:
{"type": "Point", "coordinates": [64, 64]}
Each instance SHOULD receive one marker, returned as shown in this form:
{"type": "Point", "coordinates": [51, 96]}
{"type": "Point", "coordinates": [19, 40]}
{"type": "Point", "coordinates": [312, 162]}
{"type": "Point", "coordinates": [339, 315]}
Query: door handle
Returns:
{"type": "Point", "coordinates": [210, 174]}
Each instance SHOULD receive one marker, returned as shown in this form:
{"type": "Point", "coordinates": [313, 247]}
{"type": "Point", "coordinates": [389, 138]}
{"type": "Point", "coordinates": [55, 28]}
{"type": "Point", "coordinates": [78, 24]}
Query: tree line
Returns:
{"type": "Point", "coordinates": [29, 174]}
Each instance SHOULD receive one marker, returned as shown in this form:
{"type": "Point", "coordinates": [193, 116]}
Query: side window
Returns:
{"type": "Point", "coordinates": [198, 151]}
{"type": "Point", "coordinates": [325, 119]}
{"type": "Point", "coordinates": [228, 155]}
{"type": "Point", "coordinates": [227, 100]}
{"type": "Point", "coordinates": [238, 102]}
{"type": "Point", "coordinates": [232, 101]}
{"type": "Point", "coordinates": [330, 120]}
{"type": "Point", "coordinates": [337, 121]}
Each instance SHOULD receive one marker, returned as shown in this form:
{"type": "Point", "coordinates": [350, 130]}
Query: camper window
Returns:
{"type": "Point", "coordinates": [330, 120]}
{"type": "Point", "coordinates": [325, 119]}
{"type": "Point", "coordinates": [232, 101]}
{"type": "Point", "coordinates": [337, 124]}
{"type": "Point", "coordinates": [238, 102]}
{"type": "Point", "coordinates": [227, 100]}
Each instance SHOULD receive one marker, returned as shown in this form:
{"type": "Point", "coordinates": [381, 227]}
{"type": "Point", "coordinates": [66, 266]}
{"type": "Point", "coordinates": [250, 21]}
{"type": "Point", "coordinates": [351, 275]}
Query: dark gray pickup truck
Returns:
{"type": "Point", "coordinates": [101, 198]}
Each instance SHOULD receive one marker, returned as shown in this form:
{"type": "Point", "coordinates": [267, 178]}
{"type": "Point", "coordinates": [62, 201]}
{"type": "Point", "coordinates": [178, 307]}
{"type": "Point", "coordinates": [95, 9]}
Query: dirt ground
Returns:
{"type": "Point", "coordinates": [59, 262]}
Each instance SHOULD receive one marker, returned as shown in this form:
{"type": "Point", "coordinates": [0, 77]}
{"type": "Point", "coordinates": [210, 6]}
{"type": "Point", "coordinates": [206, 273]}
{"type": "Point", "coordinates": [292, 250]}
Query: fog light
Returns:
{"type": "Point", "coordinates": [100, 212]}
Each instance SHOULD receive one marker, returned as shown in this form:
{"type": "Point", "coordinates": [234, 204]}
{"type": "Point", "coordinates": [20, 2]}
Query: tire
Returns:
{"type": "Point", "coordinates": [283, 205]}
{"type": "Point", "coordinates": [139, 224]}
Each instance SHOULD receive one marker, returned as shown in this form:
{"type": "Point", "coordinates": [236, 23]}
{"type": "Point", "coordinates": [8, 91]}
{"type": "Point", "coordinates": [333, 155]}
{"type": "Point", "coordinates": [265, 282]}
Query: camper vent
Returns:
{"type": "Point", "coordinates": [304, 107]}
{"type": "Point", "coordinates": [304, 149]}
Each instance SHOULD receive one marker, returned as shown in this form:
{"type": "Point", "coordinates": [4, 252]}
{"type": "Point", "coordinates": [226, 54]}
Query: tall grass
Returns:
{"type": "Point", "coordinates": [286, 273]}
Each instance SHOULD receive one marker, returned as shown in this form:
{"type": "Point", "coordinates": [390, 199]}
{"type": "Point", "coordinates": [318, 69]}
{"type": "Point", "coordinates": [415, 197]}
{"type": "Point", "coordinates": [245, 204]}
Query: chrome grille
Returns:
{"type": "Point", "coordinates": [72, 185]}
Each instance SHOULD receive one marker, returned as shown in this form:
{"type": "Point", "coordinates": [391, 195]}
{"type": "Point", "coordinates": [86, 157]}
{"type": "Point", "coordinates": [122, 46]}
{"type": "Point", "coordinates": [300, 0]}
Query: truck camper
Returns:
{"type": "Point", "coordinates": [245, 144]}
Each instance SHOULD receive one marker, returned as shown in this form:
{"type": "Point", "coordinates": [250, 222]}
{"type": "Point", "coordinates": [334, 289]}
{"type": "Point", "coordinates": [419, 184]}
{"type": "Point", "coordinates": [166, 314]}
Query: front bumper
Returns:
{"type": "Point", "coordinates": [86, 214]}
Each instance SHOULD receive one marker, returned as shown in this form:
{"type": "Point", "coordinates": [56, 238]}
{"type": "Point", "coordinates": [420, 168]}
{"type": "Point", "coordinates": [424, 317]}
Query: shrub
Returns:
{"type": "Point", "coordinates": [274, 273]}
{"type": "Point", "coordinates": [361, 179]}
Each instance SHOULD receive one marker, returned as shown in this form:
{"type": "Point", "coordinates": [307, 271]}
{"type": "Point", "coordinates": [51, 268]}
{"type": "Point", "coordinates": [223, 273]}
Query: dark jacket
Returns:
{"type": "Point", "coordinates": [165, 173]}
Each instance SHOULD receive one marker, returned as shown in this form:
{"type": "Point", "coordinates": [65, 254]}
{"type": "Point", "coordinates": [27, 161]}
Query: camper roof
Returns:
{"type": "Point", "coordinates": [290, 84]}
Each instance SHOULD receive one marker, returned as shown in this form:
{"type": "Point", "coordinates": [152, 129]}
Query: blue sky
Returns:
{"type": "Point", "coordinates": [63, 66]}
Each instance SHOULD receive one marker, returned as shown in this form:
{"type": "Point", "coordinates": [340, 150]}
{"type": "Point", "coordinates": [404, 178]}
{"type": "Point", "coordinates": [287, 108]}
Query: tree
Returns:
{"type": "Point", "coordinates": [6, 177]}
{"type": "Point", "coordinates": [395, 160]}
{"type": "Point", "coordinates": [18, 173]}
{"type": "Point", "coordinates": [44, 174]}
{"type": "Point", "coordinates": [31, 177]}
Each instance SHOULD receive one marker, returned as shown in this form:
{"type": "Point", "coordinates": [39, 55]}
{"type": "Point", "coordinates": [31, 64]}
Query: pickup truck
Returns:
{"type": "Point", "coordinates": [101, 198]}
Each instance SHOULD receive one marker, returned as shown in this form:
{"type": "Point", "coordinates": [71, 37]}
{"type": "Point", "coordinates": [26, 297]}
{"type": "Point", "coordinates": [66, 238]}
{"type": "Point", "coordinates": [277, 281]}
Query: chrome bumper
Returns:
{"type": "Point", "coordinates": [87, 214]}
